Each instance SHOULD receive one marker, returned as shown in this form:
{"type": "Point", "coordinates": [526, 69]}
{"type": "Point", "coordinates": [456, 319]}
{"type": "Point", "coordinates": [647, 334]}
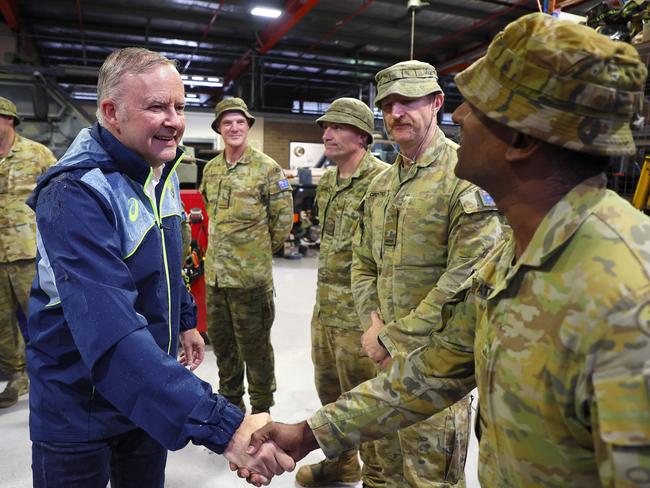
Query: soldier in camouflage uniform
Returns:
{"type": "Point", "coordinates": [250, 208]}
{"type": "Point", "coordinates": [422, 231]}
{"type": "Point", "coordinates": [554, 326]}
{"type": "Point", "coordinates": [21, 162]}
{"type": "Point", "coordinates": [339, 361]}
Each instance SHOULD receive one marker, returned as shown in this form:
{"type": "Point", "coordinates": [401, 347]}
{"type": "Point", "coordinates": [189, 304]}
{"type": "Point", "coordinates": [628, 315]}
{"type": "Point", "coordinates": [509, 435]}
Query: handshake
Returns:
{"type": "Point", "coordinates": [261, 448]}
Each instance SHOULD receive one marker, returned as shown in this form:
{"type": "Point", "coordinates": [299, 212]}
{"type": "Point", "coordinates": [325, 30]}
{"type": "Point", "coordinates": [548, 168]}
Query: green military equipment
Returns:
{"type": "Point", "coordinates": [231, 105]}
{"type": "Point", "coordinates": [350, 111]}
{"type": "Point", "coordinates": [7, 107]}
{"type": "Point", "coordinates": [412, 79]}
{"type": "Point", "coordinates": [560, 82]}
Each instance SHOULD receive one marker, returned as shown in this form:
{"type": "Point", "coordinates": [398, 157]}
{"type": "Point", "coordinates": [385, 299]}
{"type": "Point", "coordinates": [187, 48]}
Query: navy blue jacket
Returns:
{"type": "Point", "coordinates": [107, 304]}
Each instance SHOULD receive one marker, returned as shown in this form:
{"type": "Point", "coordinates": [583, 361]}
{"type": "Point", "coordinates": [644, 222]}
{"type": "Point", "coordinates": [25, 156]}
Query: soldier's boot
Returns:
{"type": "Point", "coordinates": [18, 385]}
{"type": "Point", "coordinates": [344, 469]}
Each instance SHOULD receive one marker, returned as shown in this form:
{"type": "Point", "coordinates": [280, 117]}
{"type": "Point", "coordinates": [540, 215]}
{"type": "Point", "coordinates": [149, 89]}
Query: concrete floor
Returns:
{"type": "Point", "coordinates": [296, 398]}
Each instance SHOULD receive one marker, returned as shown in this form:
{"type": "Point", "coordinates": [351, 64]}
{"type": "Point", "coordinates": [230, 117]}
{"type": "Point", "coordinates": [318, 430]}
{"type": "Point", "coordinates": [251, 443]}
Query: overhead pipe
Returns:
{"type": "Point", "coordinates": [498, 14]}
{"type": "Point", "coordinates": [465, 58]}
{"type": "Point", "coordinates": [271, 36]}
{"type": "Point", "coordinates": [213, 19]}
{"type": "Point", "coordinates": [338, 25]}
{"type": "Point", "coordinates": [10, 13]}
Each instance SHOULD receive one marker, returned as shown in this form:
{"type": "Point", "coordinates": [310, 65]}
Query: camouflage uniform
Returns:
{"type": "Point", "coordinates": [419, 239]}
{"type": "Point", "coordinates": [561, 356]}
{"type": "Point", "coordinates": [250, 210]}
{"type": "Point", "coordinates": [339, 360]}
{"type": "Point", "coordinates": [18, 172]}
{"type": "Point", "coordinates": [557, 340]}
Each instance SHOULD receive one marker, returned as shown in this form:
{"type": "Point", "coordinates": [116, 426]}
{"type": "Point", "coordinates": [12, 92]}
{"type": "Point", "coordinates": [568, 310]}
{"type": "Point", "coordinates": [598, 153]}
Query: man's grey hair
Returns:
{"type": "Point", "coordinates": [131, 61]}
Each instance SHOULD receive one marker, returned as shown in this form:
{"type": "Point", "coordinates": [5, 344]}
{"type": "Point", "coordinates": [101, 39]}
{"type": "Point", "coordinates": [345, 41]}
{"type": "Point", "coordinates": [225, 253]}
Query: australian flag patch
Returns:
{"type": "Point", "coordinates": [486, 198]}
{"type": "Point", "coordinates": [283, 184]}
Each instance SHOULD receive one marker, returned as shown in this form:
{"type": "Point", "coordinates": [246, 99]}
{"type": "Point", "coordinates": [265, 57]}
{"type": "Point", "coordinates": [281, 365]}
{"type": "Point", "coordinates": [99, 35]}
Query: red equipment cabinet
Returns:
{"type": "Point", "coordinates": [192, 200]}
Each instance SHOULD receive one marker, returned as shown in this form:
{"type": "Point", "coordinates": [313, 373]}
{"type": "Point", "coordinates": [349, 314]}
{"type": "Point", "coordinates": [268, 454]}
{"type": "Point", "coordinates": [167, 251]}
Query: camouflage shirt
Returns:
{"type": "Point", "coordinates": [559, 345]}
{"type": "Point", "coordinates": [420, 236]}
{"type": "Point", "coordinates": [250, 208]}
{"type": "Point", "coordinates": [26, 161]}
{"type": "Point", "coordinates": [338, 203]}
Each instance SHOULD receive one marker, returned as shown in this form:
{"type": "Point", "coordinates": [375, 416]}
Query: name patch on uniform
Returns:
{"type": "Point", "coordinates": [486, 199]}
{"type": "Point", "coordinates": [283, 184]}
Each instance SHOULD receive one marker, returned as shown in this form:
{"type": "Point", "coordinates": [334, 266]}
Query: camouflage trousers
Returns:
{"type": "Point", "coordinates": [339, 365]}
{"type": "Point", "coordinates": [239, 329]}
{"type": "Point", "coordinates": [15, 282]}
{"type": "Point", "coordinates": [431, 453]}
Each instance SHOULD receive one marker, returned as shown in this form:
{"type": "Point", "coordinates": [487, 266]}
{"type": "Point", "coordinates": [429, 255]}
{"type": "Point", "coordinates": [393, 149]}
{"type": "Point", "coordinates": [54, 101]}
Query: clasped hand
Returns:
{"type": "Point", "coordinates": [266, 462]}
{"type": "Point", "coordinates": [293, 440]}
{"type": "Point", "coordinates": [370, 341]}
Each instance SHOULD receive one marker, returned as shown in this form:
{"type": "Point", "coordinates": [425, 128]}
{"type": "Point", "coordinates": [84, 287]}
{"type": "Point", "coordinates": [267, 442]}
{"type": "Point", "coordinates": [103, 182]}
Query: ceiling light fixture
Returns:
{"type": "Point", "coordinates": [209, 81]}
{"type": "Point", "coordinates": [271, 13]}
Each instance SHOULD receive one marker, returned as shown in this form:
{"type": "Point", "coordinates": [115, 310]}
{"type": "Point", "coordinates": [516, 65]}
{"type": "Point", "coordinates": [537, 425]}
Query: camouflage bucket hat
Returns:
{"type": "Point", "coordinates": [230, 105]}
{"type": "Point", "coordinates": [411, 79]}
{"type": "Point", "coordinates": [7, 107]}
{"type": "Point", "coordinates": [560, 82]}
{"type": "Point", "coordinates": [352, 112]}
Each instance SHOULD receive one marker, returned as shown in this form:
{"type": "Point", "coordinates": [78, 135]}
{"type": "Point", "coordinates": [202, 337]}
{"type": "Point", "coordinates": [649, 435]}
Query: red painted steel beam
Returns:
{"type": "Point", "coordinates": [297, 9]}
{"type": "Point", "coordinates": [10, 13]}
{"type": "Point", "coordinates": [273, 34]}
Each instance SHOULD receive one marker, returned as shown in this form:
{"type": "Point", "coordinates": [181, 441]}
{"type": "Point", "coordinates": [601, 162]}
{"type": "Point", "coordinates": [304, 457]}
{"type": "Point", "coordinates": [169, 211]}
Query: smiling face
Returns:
{"type": "Point", "coordinates": [409, 120]}
{"type": "Point", "coordinates": [148, 115]}
{"type": "Point", "coordinates": [234, 129]}
{"type": "Point", "coordinates": [342, 140]}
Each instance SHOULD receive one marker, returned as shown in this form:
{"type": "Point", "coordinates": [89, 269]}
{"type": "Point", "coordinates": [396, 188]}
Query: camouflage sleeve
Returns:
{"type": "Point", "coordinates": [415, 387]}
{"type": "Point", "coordinates": [47, 160]}
{"type": "Point", "coordinates": [364, 269]}
{"type": "Point", "coordinates": [475, 226]}
{"type": "Point", "coordinates": [619, 398]}
{"type": "Point", "coordinates": [280, 207]}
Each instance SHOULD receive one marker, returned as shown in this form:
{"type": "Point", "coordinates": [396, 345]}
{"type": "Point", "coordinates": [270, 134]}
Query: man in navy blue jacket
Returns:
{"type": "Point", "coordinates": [109, 307]}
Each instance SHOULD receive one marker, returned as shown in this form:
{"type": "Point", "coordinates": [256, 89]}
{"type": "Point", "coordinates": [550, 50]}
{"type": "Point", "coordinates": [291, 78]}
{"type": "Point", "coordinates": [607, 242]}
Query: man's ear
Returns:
{"type": "Point", "coordinates": [108, 109]}
{"type": "Point", "coordinates": [522, 146]}
{"type": "Point", "coordinates": [438, 100]}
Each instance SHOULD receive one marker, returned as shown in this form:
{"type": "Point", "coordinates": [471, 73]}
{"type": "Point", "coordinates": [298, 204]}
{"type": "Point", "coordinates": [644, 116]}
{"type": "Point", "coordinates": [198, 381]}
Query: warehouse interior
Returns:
{"type": "Point", "coordinates": [288, 69]}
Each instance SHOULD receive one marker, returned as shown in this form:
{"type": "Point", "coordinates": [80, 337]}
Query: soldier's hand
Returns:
{"type": "Point", "coordinates": [259, 467]}
{"type": "Point", "coordinates": [370, 340]}
{"type": "Point", "coordinates": [386, 362]}
{"type": "Point", "coordinates": [297, 440]}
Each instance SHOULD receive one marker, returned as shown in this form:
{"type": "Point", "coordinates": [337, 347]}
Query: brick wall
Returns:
{"type": "Point", "coordinates": [278, 135]}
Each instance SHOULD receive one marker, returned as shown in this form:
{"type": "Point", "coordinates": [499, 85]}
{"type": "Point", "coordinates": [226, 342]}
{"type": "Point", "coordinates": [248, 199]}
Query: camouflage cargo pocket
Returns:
{"type": "Point", "coordinates": [623, 399]}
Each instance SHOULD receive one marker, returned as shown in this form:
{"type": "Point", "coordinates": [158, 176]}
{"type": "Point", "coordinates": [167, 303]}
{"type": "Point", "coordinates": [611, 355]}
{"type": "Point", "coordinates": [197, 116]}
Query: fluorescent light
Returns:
{"type": "Point", "coordinates": [271, 13]}
{"type": "Point", "coordinates": [84, 95]}
{"type": "Point", "coordinates": [211, 81]}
